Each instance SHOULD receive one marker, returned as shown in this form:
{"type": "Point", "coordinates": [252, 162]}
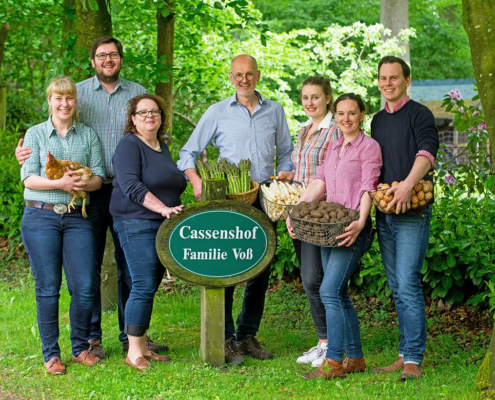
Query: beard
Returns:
{"type": "Point", "coordinates": [105, 78]}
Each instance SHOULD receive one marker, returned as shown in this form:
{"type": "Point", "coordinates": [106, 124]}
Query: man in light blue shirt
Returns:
{"type": "Point", "coordinates": [244, 126]}
{"type": "Point", "coordinates": [102, 105]}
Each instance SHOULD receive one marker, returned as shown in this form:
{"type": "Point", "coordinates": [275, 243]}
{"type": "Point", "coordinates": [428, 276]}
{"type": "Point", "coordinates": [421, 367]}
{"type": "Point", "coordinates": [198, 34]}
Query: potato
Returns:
{"type": "Point", "coordinates": [421, 195]}
{"type": "Point", "coordinates": [304, 211]}
{"type": "Point", "coordinates": [385, 186]}
{"type": "Point", "coordinates": [428, 196]}
{"type": "Point", "coordinates": [353, 213]}
{"type": "Point", "coordinates": [388, 198]}
{"type": "Point", "coordinates": [414, 199]}
{"type": "Point", "coordinates": [340, 215]}
{"type": "Point", "coordinates": [414, 205]}
{"type": "Point", "coordinates": [314, 204]}
{"type": "Point", "coordinates": [333, 214]}
{"type": "Point", "coordinates": [393, 209]}
{"type": "Point", "coordinates": [383, 204]}
{"type": "Point", "coordinates": [379, 195]}
{"type": "Point", "coordinates": [427, 187]}
{"type": "Point", "coordinates": [422, 202]}
{"type": "Point", "coordinates": [325, 220]}
{"type": "Point", "coordinates": [418, 187]}
{"type": "Point", "coordinates": [395, 183]}
{"type": "Point", "coordinates": [308, 217]}
{"type": "Point", "coordinates": [333, 220]}
{"type": "Point", "coordinates": [316, 214]}
{"type": "Point", "coordinates": [295, 214]}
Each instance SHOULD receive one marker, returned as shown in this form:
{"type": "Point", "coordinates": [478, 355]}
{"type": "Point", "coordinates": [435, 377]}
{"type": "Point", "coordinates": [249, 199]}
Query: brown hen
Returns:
{"type": "Point", "coordinates": [55, 169]}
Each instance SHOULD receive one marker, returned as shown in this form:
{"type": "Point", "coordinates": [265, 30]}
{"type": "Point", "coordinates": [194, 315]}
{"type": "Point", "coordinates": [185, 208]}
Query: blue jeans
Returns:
{"type": "Point", "coordinates": [339, 264]}
{"type": "Point", "coordinates": [99, 215]}
{"type": "Point", "coordinates": [51, 240]}
{"type": "Point", "coordinates": [403, 241]}
{"type": "Point", "coordinates": [138, 237]}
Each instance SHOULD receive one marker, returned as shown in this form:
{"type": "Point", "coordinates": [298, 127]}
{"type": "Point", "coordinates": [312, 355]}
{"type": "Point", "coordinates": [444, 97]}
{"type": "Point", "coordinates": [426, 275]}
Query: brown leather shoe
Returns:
{"type": "Point", "coordinates": [96, 348]}
{"type": "Point", "coordinates": [54, 366]}
{"type": "Point", "coordinates": [411, 371]}
{"type": "Point", "coordinates": [155, 347]}
{"type": "Point", "coordinates": [329, 369]}
{"type": "Point", "coordinates": [86, 358]}
{"type": "Point", "coordinates": [396, 366]}
{"type": "Point", "coordinates": [157, 358]}
{"type": "Point", "coordinates": [232, 353]}
{"type": "Point", "coordinates": [140, 364]}
{"type": "Point", "coordinates": [125, 346]}
{"type": "Point", "coordinates": [251, 347]}
{"type": "Point", "coordinates": [352, 365]}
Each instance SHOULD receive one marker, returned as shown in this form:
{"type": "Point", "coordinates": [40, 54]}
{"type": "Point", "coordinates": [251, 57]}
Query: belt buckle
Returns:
{"type": "Point", "coordinates": [60, 208]}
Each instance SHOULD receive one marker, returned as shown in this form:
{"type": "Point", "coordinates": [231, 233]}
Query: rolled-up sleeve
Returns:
{"type": "Point", "coordinates": [128, 171]}
{"type": "Point", "coordinates": [199, 139]}
{"type": "Point", "coordinates": [426, 133]}
{"type": "Point", "coordinates": [283, 143]}
{"type": "Point", "coordinates": [320, 172]}
{"type": "Point", "coordinates": [371, 166]}
{"type": "Point", "coordinates": [96, 160]}
{"type": "Point", "coordinates": [32, 165]}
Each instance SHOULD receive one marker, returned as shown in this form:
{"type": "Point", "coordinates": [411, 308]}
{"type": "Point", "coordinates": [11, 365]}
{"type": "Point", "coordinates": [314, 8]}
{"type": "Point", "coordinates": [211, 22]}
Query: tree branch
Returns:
{"type": "Point", "coordinates": [185, 118]}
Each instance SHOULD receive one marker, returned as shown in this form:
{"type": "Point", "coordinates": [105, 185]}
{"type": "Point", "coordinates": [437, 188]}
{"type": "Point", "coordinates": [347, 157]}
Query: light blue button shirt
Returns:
{"type": "Point", "coordinates": [240, 135]}
{"type": "Point", "coordinates": [106, 113]}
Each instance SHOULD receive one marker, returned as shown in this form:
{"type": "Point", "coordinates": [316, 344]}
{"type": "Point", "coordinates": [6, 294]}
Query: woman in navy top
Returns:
{"type": "Point", "coordinates": [147, 189]}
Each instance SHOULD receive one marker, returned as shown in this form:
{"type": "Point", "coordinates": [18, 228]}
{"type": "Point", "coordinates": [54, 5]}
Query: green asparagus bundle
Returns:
{"type": "Point", "coordinates": [237, 176]}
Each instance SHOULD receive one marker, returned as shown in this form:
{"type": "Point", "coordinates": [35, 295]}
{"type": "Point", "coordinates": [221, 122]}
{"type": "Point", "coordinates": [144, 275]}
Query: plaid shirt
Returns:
{"type": "Point", "coordinates": [312, 154]}
{"type": "Point", "coordinates": [106, 113]}
{"type": "Point", "coordinates": [397, 107]}
{"type": "Point", "coordinates": [80, 144]}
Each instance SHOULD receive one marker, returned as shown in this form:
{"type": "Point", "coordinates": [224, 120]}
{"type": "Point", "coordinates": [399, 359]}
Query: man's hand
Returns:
{"type": "Point", "coordinates": [402, 197]}
{"type": "Point", "coordinates": [197, 185]}
{"type": "Point", "coordinates": [22, 153]}
{"type": "Point", "coordinates": [288, 175]}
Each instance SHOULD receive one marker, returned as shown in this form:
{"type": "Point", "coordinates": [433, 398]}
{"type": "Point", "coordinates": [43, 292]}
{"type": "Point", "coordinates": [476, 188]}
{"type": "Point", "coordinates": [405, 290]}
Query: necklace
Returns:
{"type": "Point", "coordinates": [157, 148]}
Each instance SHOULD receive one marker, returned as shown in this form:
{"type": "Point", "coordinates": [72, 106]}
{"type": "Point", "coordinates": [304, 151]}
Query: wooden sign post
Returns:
{"type": "Point", "coordinates": [216, 244]}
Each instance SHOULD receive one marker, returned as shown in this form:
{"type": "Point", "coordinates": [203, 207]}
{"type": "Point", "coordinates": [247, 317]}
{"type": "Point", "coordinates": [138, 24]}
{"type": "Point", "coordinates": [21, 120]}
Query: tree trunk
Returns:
{"type": "Point", "coordinates": [92, 25]}
{"type": "Point", "coordinates": [478, 18]}
{"type": "Point", "coordinates": [394, 15]}
{"type": "Point", "coordinates": [3, 38]}
{"type": "Point", "coordinates": [165, 47]}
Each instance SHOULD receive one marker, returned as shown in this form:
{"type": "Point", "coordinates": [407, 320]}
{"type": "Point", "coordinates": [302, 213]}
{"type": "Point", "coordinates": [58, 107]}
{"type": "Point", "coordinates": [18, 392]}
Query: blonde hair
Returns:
{"type": "Point", "coordinates": [63, 85]}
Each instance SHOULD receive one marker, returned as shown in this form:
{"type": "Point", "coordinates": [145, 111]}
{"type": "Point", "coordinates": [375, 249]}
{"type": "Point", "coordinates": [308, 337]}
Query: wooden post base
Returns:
{"type": "Point", "coordinates": [213, 325]}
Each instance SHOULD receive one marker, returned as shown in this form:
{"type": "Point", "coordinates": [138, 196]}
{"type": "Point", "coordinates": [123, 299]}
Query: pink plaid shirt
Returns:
{"type": "Point", "coordinates": [349, 174]}
{"type": "Point", "coordinates": [397, 107]}
{"type": "Point", "coordinates": [306, 158]}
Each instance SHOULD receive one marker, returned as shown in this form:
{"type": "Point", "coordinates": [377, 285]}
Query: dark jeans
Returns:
{"type": "Point", "coordinates": [249, 320]}
{"type": "Point", "coordinates": [138, 237]}
{"type": "Point", "coordinates": [309, 257]}
{"type": "Point", "coordinates": [51, 240]}
{"type": "Point", "coordinates": [99, 215]}
{"type": "Point", "coordinates": [339, 264]}
{"type": "Point", "coordinates": [403, 240]}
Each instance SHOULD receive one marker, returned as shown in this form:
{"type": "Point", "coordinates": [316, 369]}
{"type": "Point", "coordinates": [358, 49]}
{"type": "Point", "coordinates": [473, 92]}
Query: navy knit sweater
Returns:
{"type": "Point", "coordinates": [401, 135]}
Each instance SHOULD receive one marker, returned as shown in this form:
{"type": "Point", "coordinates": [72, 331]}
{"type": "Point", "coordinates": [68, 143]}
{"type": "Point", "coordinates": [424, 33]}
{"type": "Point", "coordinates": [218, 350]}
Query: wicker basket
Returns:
{"type": "Point", "coordinates": [318, 233]}
{"type": "Point", "coordinates": [246, 197]}
{"type": "Point", "coordinates": [275, 211]}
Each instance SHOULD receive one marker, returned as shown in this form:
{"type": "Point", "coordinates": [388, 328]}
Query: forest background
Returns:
{"type": "Point", "coordinates": [292, 39]}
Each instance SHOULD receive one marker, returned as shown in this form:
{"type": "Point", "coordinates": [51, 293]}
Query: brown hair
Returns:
{"type": "Point", "coordinates": [350, 96]}
{"type": "Point", "coordinates": [131, 109]}
{"type": "Point", "coordinates": [63, 85]}
{"type": "Point", "coordinates": [406, 70]}
{"type": "Point", "coordinates": [322, 82]}
{"type": "Point", "coordinates": [105, 40]}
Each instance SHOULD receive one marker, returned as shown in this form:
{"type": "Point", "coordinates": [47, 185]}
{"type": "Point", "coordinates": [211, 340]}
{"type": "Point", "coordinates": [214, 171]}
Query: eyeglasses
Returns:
{"type": "Point", "coordinates": [239, 77]}
{"type": "Point", "coordinates": [144, 114]}
{"type": "Point", "coordinates": [103, 56]}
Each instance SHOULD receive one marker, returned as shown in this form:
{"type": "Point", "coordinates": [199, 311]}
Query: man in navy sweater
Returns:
{"type": "Point", "coordinates": [408, 136]}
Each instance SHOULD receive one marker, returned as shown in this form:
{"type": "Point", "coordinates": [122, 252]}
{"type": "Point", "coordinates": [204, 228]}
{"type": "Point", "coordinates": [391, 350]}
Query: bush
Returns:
{"type": "Point", "coordinates": [23, 112]}
{"type": "Point", "coordinates": [11, 187]}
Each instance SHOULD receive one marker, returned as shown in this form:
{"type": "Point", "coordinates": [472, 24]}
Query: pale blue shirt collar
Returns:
{"type": "Point", "coordinates": [50, 129]}
{"type": "Point", "coordinates": [120, 83]}
{"type": "Point", "coordinates": [325, 124]}
{"type": "Point", "coordinates": [233, 98]}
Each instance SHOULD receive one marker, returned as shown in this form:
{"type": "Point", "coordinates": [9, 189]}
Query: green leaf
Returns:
{"type": "Point", "coordinates": [218, 5]}
{"type": "Point", "coordinates": [165, 12]}
{"type": "Point", "coordinates": [451, 261]}
{"type": "Point", "coordinates": [457, 294]}
{"type": "Point", "coordinates": [93, 5]}
{"type": "Point", "coordinates": [116, 7]}
{"type": "Point", "coordinates": [263, 39]}
{"type": "Point", "coordinates": [447, 282]}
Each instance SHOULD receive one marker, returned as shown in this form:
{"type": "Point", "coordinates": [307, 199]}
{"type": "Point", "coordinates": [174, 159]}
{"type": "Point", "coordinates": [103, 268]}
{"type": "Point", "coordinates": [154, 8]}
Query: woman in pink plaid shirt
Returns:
{"type": "Point", "coordinates": [309, 153]}
{"type": "Point", "coordinates": [351, 168]}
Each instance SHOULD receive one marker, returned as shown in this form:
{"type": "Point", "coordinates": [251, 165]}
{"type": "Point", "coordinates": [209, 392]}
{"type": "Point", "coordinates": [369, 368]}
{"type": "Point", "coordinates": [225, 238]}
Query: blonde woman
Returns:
{"type": "Point", "coordinates": [54, 234]}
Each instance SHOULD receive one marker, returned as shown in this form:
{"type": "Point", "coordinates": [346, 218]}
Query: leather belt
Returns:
{"type": "Point", "coordinates": [107, 181]}
{"type": "Point", "coordinates": [58, 208]}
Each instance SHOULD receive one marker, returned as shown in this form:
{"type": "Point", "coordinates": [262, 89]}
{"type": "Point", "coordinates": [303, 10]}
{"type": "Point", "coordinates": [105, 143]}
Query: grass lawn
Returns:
{"type": "Point", "coordinates": [286, 330]}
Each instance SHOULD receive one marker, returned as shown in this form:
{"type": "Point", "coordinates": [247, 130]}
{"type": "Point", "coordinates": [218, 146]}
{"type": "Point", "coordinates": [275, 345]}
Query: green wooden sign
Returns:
{"type": "Point", "coordinates": [218, 243]}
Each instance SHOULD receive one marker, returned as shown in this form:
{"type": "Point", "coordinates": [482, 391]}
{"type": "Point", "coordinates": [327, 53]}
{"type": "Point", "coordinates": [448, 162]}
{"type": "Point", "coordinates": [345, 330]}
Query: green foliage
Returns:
{"type": "Point", "coordinates": [23, 111]}
{"type": "Point", "coordinates": [285, 262]}
{"type": "Point", "coordinates": [11, 188]}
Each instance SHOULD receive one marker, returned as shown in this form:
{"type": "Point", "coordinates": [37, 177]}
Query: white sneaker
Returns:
{"type": "Point", "coordinates": [313, 354]}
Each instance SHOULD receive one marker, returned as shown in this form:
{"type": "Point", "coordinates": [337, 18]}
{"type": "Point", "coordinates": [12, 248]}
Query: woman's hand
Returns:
{"type": "Point", "coordinates": [167, 211]}
{"type": "Point", "coordinates": [70, 182]}
{"type": "Point", "coordinates": [289, 228]}
{"type": "Point", "coordinates": [351, 234]}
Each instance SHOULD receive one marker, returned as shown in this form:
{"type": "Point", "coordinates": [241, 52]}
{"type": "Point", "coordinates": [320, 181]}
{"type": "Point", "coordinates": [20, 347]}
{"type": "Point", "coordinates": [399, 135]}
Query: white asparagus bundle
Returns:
{"type": "Point", "coordinates": [283, 193]}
